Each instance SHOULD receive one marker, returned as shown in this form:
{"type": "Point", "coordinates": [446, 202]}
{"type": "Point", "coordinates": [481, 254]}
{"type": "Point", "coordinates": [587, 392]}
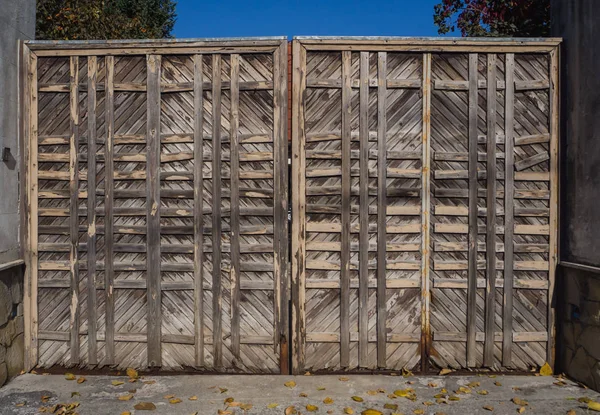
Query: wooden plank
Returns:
{"type": "Point", "coordinates": [490, 293]}
{"type": "Point", "coordinates": [153, 212]}
{"type": "Point", "coordinates": [108, 209]}
{"type": "Point", "coordinates": [509, 171]}
{"type": "Point", "coordinates": [216, 209]}
{"type": "Point", "coordinates": [280, 184]}
{"type": "Point", "coordinates": [363, 255]}
{"type": "Point", "coordinates": [345, 219]}
{"type": "Point", "coordinates": [74, 321]}
{"type": "Point", "coordinates": [198, 213]}
{"type": "Point", "coordinates": [298, 207]}
{"type": "Point", "coordinates": [531, 161]}
{"type": "Point", "coordinates": [234, 122]}
{"type": "Point", "coordinates": [425, 215]}
{"type": "Point", "coordinates": [531, 139]}
{"type": "Point", "coordinates": [472, 256]}
{"type": "Point", "coordinates": [381, 212]}
{"type": "Point", "coordinates": [92, 65]}
{"type": "Point", "coordinates": [553, 221]}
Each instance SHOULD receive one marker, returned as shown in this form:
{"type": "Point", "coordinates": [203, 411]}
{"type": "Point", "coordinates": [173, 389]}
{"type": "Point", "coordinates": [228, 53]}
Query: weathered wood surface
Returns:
{"type": "Point", "coordinates": [423, 136]}
{"type": "Point", "coordinates": [135, 201]}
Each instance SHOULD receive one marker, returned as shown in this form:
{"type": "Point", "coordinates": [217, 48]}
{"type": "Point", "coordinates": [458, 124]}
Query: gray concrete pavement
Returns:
{"type": "Point", "coordinates": [269, 395]}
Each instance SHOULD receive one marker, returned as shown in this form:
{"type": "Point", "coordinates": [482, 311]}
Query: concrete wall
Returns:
{"type": "Point", "coordinates": [17, 21]}
{"type": "Point", "coordinates": [578, 284]}
{"type": "Point", "coordinates": [11, 323]}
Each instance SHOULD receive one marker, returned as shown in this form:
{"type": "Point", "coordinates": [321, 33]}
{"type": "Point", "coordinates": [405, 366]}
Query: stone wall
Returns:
{"type": "Point", "coordinates": [579, 326]}
{"type": "Point", "coordinates": [11, 323]}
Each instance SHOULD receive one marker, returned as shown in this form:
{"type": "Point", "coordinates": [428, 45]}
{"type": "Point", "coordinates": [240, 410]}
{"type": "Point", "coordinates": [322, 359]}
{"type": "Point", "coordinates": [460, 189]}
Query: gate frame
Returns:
{"type": "Point", "coordinates": [30, 50]}
{"type": "Point", "coordinates": [426, 46]}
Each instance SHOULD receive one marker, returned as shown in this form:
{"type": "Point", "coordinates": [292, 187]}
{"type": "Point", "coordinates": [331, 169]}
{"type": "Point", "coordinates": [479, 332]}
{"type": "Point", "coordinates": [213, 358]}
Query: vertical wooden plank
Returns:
{"type": "Point", "coordinates": [31, 140]}
{"type": "Point", "coordinates": [298, 207]}
{"type": "Point", "coordinates": [216, 211]}
{"type": "Point", "coordinates": [109, 186]}
{"type": "Point", "coordinates": [472, 255]}
{"type": "Point", "coordinates": [280, 180]}
{"type": "Point", "coordinates": [345, 237]}
{"type": "Point", "coordinates": [490, 289]}
{"type": "Point", "coordinates": [198, 218]}
{"type": "Point", "coordinates": [554, 199]}
{"type": "Point", "coordinates": [73, 207]}
{"type": "Point", "coordinates": [234, 121]}
{"type": "Point", "coordinates": [425, 213]}
{"type": "Point", "coordinates": [509, 223]}
{"type": "Point", "coordinates": [381, 211]}
{"type": "Point", "coordinates": [363, 254]}
{"type": "Point", "coordinates": [92, 65]}
{"type": "Point", "coordinates": [153, 211]}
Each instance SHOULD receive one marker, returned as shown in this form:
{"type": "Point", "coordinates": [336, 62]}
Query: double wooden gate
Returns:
{"type": "Point", "coordinates": [404, 252]}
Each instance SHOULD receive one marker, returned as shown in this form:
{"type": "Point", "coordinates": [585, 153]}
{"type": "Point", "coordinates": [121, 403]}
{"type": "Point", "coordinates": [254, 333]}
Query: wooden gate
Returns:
{"type": "Point", "coordinates": [157, 204]}
{"type": "Point", "coordinates": [406, 251]}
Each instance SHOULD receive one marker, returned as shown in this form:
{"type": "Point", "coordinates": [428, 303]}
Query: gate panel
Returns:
{"type": "Point", "coordinates": [162, 175]}
{"type": "Point", "coordinates": [405, 250]}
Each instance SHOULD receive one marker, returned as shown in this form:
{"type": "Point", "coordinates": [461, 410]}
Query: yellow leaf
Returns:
{"type": "Point", "coordinates": [235, 404]}
{"type": "Point", "coordinates": [228, 400]}
{"type": "Point", "coordinates": [572, 412]}
{"type": "Point", "coordinates": [272, 405]}
{"type": "Point", "coordinates": [546, 370]}
{"type": "Point", "coordinates": [418, 412]}
{"type": "Point", "coordinates": [145, 406]}
{"type": "Point", "coordinates": [125, 413]}
{"type": "Point", "coordinates": [290, 384]}
{"type": "Point", "coordinates": [223, 390]}
{"type": "Point", "coordinates": [357, 399]}
{"type": "Point", "coordinates": [69, 376]}
{"type": "Point", "coordinates": [519, 401]}
{"type": "Point", "coordinates": [584, 399]}
{"type": "Point", "coordinates": [132, 373]}
{"type": "Point", "coordinates": [344, 379]}
{"type": "Point", "coordinates": [117, 383]}
{"type": "Point", "coordinates": [497, 383]}
{"type": "Point", "coordinates": [474, 384]}
{"type": "Point", "coordinates": [488, 408]}
{"type": "Point", "coordinates": [290, 410]}
{"type": "Point", "coordinates": [445, 371]}
{"type": "Point", "coordinates": [307, 374]}
{"type": "Point", "coordinates": [371, 392]}
{"type": "Point", "coordinates": [81, 380]}
{"type": "Point", "coordinates": [169, 396]}
{"type": "Point", "coordinates": [521, 409]}
{"type": "Point", "coordinates": [127, 397]}
{"type": "Point", "coordinates": [403, 393]}
{"type": "Point", "coordinates": [594, 406]}
{"type": "Point", "coordinates": [303, 395]}
{"type": "Point", "coordinates": [312, 408]}
{"type": "Point", "coordinates": [224, 412]}
{"type": "Point", "coordinates": [391, 406]}
{"type": "Point", "coordinates": [348, 411]}
{"type": "Point", "coordinates": [174, 400]}
{"type": "Point", "coordinates": [454, 398]}
{"type": "Point", "coordinates": [246, 406]}
{"type": "Point", "coordinates": [193, 398]}
{"type": "Point", "coordinates": [328, 401]}
{"type": "Point", "coordinates": [482, 392]}
{"type": "Point", "coordinates": [371, 412]}
{"type": "Point", "coordinates": [321, 388]}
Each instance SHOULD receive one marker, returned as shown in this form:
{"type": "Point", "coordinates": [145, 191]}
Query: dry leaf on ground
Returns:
{"type": "Point", "coordinates": [357, 399]}
{"type": "Point", "coordinates": [127, 397]}
{"type": "Point", "coordinates": [144, 406]}
{"type": "Point", "coordinates": [290, 384]}
{"type": "Point", "coordinates": [117, 383]}
{"type": "Point", "coordinates": [312, 408]}
{"type": "Point", "coordinates": [69, 376]}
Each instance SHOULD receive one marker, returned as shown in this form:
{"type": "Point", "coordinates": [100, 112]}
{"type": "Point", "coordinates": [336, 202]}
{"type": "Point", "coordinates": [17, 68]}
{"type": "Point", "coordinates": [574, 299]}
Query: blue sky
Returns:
{"type": "Point", "coordinates": [218, 18]}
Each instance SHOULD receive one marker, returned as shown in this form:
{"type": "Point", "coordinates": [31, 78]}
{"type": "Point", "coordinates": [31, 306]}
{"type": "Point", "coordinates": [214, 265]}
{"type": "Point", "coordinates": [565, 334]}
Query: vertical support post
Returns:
{"type": "Point", "coordinates": [345, 237]}
{"type": "Point", "coordinates": [216, 211]}
{"type": "Point", "coordinates": [92, 65]}
{"type": "Point", "coordinates": [509, 222]}
{"type": "Point", "coordinates": [299, 207]}
{"type": "Point", "coordinates": [490, 291]}
{"type": "Point", "coordinates": [198, 217]}
{"type": "Point", "coordinates": [109, 186]}
{"type": "Point", "coordinates": [234, 121]}
{"type": "Point", "coordinates": [554, 199]}
{"type": "Point", "coordinates": [425, 213]}
{"type": "Point", "coordinates": [153, 211]}
{"type": "Point", "coordinates": [280, 181]}
{"type": "Point", "coordinates": [381, 208]}
{"type": "Point", "coordinates": [73, 207]}
{"type": "Point", "coordinates": [472, 265]}
{"type": "Point", "coordinates": [31, 142]}
{"type": "Point", "coordinates": [363, 254]}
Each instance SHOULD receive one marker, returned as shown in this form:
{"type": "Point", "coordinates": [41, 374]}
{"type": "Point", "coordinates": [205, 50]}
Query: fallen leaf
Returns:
{"type": "Point", "coordinates": [474, 384]}
{"type": "Point", "coordinates": [272, 405]}
{"type": "Point", "coordinates": [488, 408]}
{"type": "Point", "coordinates": [344, 379]}
{"type": "Point", "coordinates": [348, 411]}
{"type": "Point", "coordinates": [46, 398]}
{"type": "Point", "coordinates": [428, 403]}
{"type": "Point", "coordinates": [391, 406]}
{"type": "Point", "coordinates": [406, 373]}
{"type": "Point", "coordinates": [418, 412]}
{"type": "Point", "coordinates": [69, 376]}
{"type": "Point", "coordinates": [234, 404]}
{"type": "Point", "coordinates": [224, 412]}
{"type": "Point", "coordinates": [371, 412]}
{"type": "Point", "coordinates": [223, 390]}
{"type": "Point", "coordinates": [321, 388]}
{"type": "Point", "coordinates": [546, 370]}
{"type": "Point", "coordinates": [170, 396]}
{"type": "Point", "coordinates": [584, 399]}
{"type": "Point", "coordinates": [312, 408]}
{"type": "Point", "coordinates": [371, 392]}
{"type": "Point", "coordinates": [290, 384]}
{"type": "Point", "coordinates": [519, 401]}
{"type": "Point", "coordinates": [144, 406]}
{"type": "Point", "coordinates": [174, 401]}
{"type": "Point", "coordinates": [117, 383]}
{"type": "Point", "coordinates": [246, 406]}
{"type": "Point", "coordinates": [453, 398]}
{"type": "Point", "coordinates": [228, 401]}
{"type": "Point", "coordinates": [125, 413]}
{"type": "Point", "coordinates": [357, 399]}
{"type": "Point", "coordinates": [149, 382]}
{"type": "Point", "coordinates": [328, 401]}
{"type": "Point", "coordinates": [572, 412]}
{"type": "Point", "coordinates": [445, 371]}
{"type": "Point", "coordinates": [193, 398]}
{"type": "Point", "coordinates": [303, 395]}
{"type": "Point", "coordinates": [497, 383]}
{"type": "Point", "coordinates": [521, 409]}
{"type": "Point", "coordinates": [132, 373]}
{"type": "Point", "coordinates": [290, 410]}
{"type": "Point", "coordinates": [81, 380]}
{"type": "Point", "coordinates": [594, 406]}
{"type": "Point", "coordinates": [402, 393]}
{"type": "Point", "coordinates": [20, 404]}
{"type": "Point", "coordinates": [127, 397]}
{"type": "Point", "coordinates": [482, 392]}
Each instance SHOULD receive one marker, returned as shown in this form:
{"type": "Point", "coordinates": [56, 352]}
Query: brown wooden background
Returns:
{"type": "Point", "coordinates": [157, 195]}
{"type": "Point", "coordinates": [405, 252]}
